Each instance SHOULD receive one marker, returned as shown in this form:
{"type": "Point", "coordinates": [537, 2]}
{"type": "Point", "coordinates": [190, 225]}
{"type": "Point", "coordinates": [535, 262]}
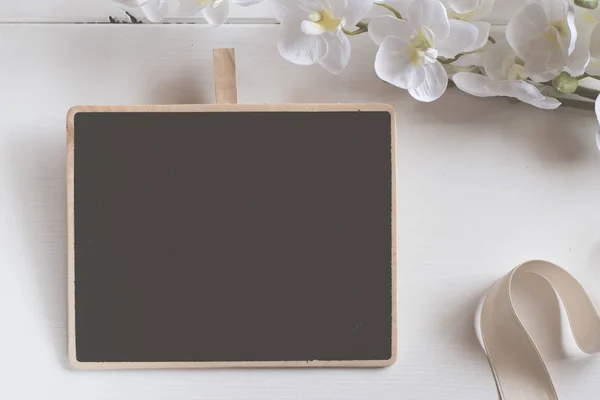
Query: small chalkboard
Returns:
{"type": "Point", "coordinates": [231, 236]}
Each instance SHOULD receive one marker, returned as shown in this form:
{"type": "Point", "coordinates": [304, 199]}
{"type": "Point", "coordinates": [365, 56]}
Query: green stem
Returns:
{"type": "Point", "coordinates": [392, 9]}
{"type": "Point", "coordinates": [362, 28]}
{"type": "Point", "coordinates": [586, 92]}
{"type": "Point", "coordinates": [578, 104]}
{"type": "Point", "coordinates": [356, 32]}
{"type": "Point", "coordinates": [586, 75]}
{"type": "Point", "coordinates": [449, 60]}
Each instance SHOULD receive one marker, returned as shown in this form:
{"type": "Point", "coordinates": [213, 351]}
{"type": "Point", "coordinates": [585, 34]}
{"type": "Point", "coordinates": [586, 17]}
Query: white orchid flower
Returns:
{"type": "Point", "coordinates": [215, 12]}
{"type": "Point", "coordinates": [543, 34]}
{"type": "Point", "coordinates": [484, 86]}
{"type": "Point", "coordinates": [153, 10]}
{"type": "Point", "coordinates": [505, 77]}
{"type": "Point", "coordinates": [311, 31]}
{"type": "Point", "coordinates": [409, 49]}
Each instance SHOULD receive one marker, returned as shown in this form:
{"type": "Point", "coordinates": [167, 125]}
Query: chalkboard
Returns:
{"type": "Point", "coordinates": [231, 236]}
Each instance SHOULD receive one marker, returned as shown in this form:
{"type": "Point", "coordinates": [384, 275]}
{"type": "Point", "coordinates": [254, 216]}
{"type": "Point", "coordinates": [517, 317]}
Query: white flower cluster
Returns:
{"type": "Point", "coordinates": [550, 45]}
{"type": "Point", "coordinates": [215, 12]}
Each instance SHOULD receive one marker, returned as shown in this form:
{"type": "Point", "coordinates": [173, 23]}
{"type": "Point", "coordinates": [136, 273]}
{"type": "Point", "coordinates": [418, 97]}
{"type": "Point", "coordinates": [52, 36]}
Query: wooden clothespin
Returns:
{"type": "Point", "coordinates": [224, 72]}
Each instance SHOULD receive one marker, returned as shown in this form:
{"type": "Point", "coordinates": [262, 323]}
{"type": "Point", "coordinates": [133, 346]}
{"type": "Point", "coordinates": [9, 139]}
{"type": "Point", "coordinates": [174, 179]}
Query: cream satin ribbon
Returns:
{"type": "Point", "coordinates": [518, 367]}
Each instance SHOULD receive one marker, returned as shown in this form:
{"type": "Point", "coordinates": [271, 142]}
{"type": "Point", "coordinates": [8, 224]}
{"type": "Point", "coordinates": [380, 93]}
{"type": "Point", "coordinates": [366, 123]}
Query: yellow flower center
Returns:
{"type": "Point", "coordinates": [555, 30]}
{"type": "Point", "coordinates": [513, 68]}
{"type": "Point", "coordinates": [325, 20]}
{"type": "Point", "coordinates": [420, 49]}
{"type": "Point", "coordinates": [462, 17]}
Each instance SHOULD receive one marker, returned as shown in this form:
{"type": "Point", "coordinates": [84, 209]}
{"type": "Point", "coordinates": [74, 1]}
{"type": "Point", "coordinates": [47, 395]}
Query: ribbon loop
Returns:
{"type": "Point", "coordinates": [518, 367]}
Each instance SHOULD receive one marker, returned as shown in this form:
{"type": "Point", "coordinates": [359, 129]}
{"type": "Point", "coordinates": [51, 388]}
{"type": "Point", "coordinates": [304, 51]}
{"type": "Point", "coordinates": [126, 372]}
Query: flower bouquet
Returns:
{"type": "Point", "coordinates": [548, 48]}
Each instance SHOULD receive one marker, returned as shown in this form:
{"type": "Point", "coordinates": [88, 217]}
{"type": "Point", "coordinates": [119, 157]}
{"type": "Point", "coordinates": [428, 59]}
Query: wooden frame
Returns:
{"type": "Point", "coordinates": [218, 108]}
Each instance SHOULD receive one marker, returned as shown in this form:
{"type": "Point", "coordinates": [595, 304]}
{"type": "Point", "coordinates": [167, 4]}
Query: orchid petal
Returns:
{"type": "Point", "coordinates": [475, 84]}
{"type": "Point", "coordinates": [523, 26]}
{"type": "Point", "coordinates": [595, 42]}
{"type": "Point", "coordinates": [585, 21]}
{"type": "Point", "coordinates": [543, 47]}
{"type": "Point", "coordinates": [312, 28]}
{"type": "Point", "coordinates": [484, 9]}
{"type": "Point", "coordinates": [338, 7]}
{"type": "Point", "coordinates": [483, 86]}
{"type": "Point", "coordinates": [246, 3]}
{"type": "Point", "coordinates": [287, 11]}
{"type": "Point", "coordinates": [155, 10]}
{"type": "Point", "coordinates": [469, 60]}
{"type": "Point", "coordinates": [433, 86]}
{"type": "Point", "coordinates": [338, 53]}
{"type": "Point", "coordinates": [578, 60]}
{"type": "Point", "coordinates": [571, 39]}
{"type": "Point", "coordinates": [462, 6]}
{"type": "Point", "coordinates": [432, 14]}
{"type": "Point", "coordinates": [581, 55]}
{"type": "Point", "coordinates": [131, 3]}
{"type": "Point", "coordinates": [387, 25]}
{"type": "Point", "coordinates": [539, 69]}
{"type": "Point", "coordinates": [519, 90]}
{"type": "Point", "coordinates": [547, 103]}
{"type": "Point", "coordinates": [190, 7]}
{"type": "Point", "coordinates": [555, 10]}
{"type": "Point", "coordinates": [462, 36]}
{"type": "Point", "coordinates": [357, 10]}
{"type": "Point", "coordinates": [483, 33]}
{"type": "Point", "coordinates": [299, 48]}
{"type": "Point", "coordinates": [597, 108]}
{"type": "Point", "coordinates": [216, 15]}
{"type": "Point", "coordinates": [393, 64]}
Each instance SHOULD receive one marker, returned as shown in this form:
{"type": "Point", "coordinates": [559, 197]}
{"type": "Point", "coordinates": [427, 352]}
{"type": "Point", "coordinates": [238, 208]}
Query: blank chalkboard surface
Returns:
{"type": "Point", "coordinates": [231, 236]}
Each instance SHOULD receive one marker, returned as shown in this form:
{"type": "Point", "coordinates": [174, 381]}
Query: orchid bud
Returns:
{"type": "Point", "coordinates": [589, 4]}
{"type": "Point", "coordinates": [565, 83]}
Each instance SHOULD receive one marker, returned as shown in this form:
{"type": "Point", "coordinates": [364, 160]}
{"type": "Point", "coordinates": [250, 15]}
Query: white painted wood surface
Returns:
{"type": "Point", "coordinates": [99, 10]}
{"type": "Point", "coordinates": [483, 184]}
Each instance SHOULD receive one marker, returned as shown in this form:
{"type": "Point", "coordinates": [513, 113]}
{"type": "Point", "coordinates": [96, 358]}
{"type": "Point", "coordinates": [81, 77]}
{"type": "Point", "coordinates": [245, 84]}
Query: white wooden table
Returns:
{"type": "Point", "coordinates": [483, 184]}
